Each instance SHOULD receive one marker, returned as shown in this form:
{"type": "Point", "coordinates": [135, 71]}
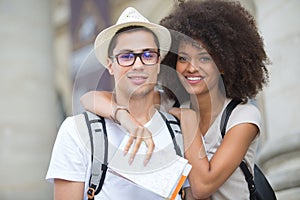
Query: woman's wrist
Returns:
{"type": "Point", "coordinates": [116, 110]}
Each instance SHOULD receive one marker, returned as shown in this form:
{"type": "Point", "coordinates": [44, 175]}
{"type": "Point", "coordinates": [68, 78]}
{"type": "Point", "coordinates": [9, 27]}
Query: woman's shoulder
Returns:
{"type": "Point", "coordinates": [246, 113]}
{"type": "Point", "coordinates": [251, 107]}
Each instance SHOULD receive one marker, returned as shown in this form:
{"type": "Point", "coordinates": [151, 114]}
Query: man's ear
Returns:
{"type": "Point", "coordinates": [109, 66]}
{"type": "Point", "coordinates": [158, 66]}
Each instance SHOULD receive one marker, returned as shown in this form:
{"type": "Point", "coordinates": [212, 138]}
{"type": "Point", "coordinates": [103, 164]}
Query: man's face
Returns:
{"type": "Point", "coordinates": [138, 79]}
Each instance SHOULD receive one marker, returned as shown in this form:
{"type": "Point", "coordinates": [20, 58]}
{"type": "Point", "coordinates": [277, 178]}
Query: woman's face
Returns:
{"type": "Point", "coordinates": [196, 68]}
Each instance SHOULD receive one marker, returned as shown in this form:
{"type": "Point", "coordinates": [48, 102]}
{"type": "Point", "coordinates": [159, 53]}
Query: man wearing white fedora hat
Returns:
{"type": "Point", "coordinates": [131, 50]}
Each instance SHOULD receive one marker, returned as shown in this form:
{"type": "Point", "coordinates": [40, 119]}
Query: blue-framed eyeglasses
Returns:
{"type": "Point", "coordinates": [128, 59]}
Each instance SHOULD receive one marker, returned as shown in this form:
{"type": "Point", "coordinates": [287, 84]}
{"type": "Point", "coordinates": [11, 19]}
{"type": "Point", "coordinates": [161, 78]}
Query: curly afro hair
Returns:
{"type": "Point", "coordinates": [229, 34]}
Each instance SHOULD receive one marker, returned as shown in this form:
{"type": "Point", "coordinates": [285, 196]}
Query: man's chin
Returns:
{"type": "Point", "coordinates": [142, 92]}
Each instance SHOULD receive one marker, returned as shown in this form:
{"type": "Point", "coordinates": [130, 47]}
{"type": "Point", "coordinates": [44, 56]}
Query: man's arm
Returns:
{"type": "Point", "coordinates": [68, 190]}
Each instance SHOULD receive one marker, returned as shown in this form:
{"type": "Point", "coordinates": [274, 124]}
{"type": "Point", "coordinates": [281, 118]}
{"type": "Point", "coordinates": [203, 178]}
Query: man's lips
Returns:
{"type": "Point", "coordinates": [138, 79]}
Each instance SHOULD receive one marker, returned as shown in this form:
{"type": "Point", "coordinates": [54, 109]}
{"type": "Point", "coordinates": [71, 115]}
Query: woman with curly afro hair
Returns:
{"type": "Point", "coordinates": [218, 55]}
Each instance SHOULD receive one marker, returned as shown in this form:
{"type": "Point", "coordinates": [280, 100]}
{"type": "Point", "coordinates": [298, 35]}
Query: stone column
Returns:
{"type": "Point", "coordinates": [279, 155]}
{"type": "Point", "coordinates": [27, 103]}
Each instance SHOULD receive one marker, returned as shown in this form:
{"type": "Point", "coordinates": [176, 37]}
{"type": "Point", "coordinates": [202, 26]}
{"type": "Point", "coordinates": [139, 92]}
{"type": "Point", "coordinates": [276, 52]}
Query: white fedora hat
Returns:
{"type": "Point", "coordinates": [130, 17]}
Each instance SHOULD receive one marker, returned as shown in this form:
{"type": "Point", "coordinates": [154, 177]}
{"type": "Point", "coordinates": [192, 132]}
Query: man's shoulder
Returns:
{"type": "Point", "coordinates": [74, 123]}
{"type": "Point", "coordinates": [73, 119]}
{"type": "Point", "coordinates": [81, 117]}
{"type": "Point", "coordinates": [78, 128]}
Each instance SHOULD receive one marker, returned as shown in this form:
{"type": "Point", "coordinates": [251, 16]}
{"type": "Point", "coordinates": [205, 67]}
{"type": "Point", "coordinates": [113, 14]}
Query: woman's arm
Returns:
{"type": "Point", "coordinates": [101, 103]}
{"type": "Point", "coordinates": [189, 196]}
{"type": "Point", "coordinates": [207, 176]}
{"type": "Point", "coordinates": [68, 190]}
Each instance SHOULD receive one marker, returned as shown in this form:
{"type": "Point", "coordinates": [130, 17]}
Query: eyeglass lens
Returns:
{"type": "Point", "coordinates": [128, 59]}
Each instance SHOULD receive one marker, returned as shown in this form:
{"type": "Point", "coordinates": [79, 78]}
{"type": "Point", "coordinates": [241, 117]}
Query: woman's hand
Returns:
{"type": "Point", "coordinates": [176, 112]}
{"type": "Point", "coordinates": [189, 122]}
{"type": "Point", "coordinates": [138, 134]}
{"type": "Point", "coordinates": [101, 103]}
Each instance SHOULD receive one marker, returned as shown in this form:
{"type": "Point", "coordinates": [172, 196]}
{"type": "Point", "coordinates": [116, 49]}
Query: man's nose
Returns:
{"type": "Point", "coordinates": [138, 64]}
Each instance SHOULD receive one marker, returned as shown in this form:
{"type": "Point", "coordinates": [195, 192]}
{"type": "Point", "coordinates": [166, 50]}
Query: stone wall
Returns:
{"type": "Point", "coordinates": [279, 153]}
{"type": "Point", "coordinates": [27, 103]}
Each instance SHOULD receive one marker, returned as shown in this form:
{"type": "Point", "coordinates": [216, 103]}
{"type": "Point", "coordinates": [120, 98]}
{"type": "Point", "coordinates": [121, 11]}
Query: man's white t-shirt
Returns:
{"type": "Point", "coordinates": [71, 160]}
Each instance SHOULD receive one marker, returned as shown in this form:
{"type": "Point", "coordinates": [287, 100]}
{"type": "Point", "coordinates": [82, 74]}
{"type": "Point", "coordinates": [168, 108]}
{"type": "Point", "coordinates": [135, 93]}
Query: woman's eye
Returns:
{"type": "Point", "coordinates": [182, 59]}
{"type": "Point", "coordinates": [205, 59]}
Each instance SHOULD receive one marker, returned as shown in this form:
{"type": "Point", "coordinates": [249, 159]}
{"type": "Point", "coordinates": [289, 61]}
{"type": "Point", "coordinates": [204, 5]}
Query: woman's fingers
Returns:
{"type": "Point", "coordinates": [137, 137]}
{"type": "Point", "coordinates": [129, 143]}
{"type": "Point", "coordinates": [137, 144]}
{"type": "Point", "coordinates": [138, 134]}
{"type": "Point", "coordinates": [150, 145]}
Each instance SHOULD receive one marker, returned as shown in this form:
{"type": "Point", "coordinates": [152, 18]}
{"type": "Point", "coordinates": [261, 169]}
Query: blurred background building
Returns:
{"type": "Point", "coordinates": [46, 65]}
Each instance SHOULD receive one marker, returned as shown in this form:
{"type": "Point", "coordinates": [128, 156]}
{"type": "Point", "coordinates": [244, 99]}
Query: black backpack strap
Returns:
{"type": "Point", "coordinates": [173, 125]}
{"type": "Point", "coordinates": [226, 114]}
{"type": "Point", "coordinates": [250, 180]}
{"type": "Point", "coordinates": [99, 153]}
{"type": "Point", "coordinates": [248, 176]}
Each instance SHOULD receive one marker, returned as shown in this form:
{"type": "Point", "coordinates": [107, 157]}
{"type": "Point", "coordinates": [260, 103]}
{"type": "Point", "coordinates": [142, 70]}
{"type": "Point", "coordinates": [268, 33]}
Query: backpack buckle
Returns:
{"type": "Point", "coordinates": [91, 193]}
